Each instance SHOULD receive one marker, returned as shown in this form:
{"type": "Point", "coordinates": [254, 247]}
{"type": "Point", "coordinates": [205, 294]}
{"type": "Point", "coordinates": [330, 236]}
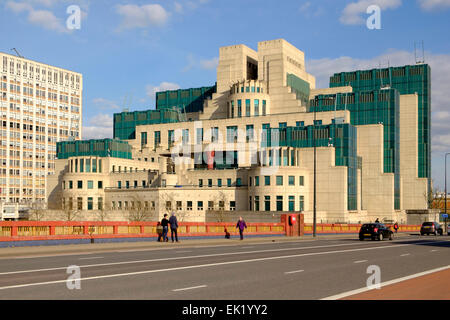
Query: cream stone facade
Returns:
{"type": "Point", "coordinates": [251, 150]}
{"type": "Point", "coordinates": [40, 105]}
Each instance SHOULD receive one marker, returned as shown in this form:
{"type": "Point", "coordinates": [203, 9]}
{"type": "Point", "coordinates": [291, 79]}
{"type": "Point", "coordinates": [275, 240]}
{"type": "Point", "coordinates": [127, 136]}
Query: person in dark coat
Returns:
{"type": "Point", "coordinates": [241, 225]}
{"type": "Point", "coordinates": [396, 227]}
{"type": "Point", "coordinates": [165, 225]}
{"type": "Point", "coordinates": [159, 230]}
{"type": "Point", "coordinates": [174, 226]}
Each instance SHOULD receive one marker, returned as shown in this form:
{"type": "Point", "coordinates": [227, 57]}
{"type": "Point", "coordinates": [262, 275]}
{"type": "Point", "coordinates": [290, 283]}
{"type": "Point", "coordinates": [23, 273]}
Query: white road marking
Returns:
{"type": "Point", "coordinates": [204, 266]}
{"type": "Point", "coordinates": [191, 288]}
{"type": "Point", "coordinates": [360, 261]}
{"type": "Point", "coordinates": [296, 271]}
{"type": "Point", "coordinates": [187, 251]}
{"type": "Point", "coordinates": [405, 254]}
{"type": "Point", "coordinates": [433, 250]}
{"type": "Point", "coordinates": [211, 255]}
{"type": "Point", "coordinates": [383, 284]}
{"type": "Point", "coordinates": [247, 247]}
{"type": "Point", "coordinates": [88, 258]}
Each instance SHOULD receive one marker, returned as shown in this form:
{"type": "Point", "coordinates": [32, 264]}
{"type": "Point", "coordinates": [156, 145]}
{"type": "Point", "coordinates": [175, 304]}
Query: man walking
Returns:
{"type": "Point", "coordinates": [241, 225]}
{"type": "Point", "coordinates": [174, 226]}
{"type": "Point", "coordinates": [396, 227]}
{"type": "Point", "coordinates": [165, 225]}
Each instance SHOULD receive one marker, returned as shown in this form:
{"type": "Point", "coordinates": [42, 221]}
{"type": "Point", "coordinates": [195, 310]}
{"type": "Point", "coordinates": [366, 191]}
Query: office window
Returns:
{"type": "Point", "coordinates": [135, 184]}
{"type": "Point", "coordinates": [291, 203]}
{"type": "Point", "coordinates": [256, 203]}
{"type": "Point", "coordinates": [250, 206]}
{"type": "Point", "coordinates": [100, 165]}
{"type": "Point", "coordinates": [222, 205]}
{"type": "Point", "coordinates": [228, 182]}
{"type": "Point", "coordinates": [279, 180]}
{"type": "Point", "coordinates": [266, 203]}
{"type": "Point", "coordinates": [232, 109]}
{"type": "Point", "coordinates": [250, 181]}
{"type": "Point", "coordinates": [90, 184]}
{"type": "Point", "coordinates": [232, 134]}
{"type": "Point", "coordinates": [282, 125]}
{"type": "Point", "coordinates": [239, 108]}
{"type": "Point", "coordinates": [317, 122]}
{"type": "Point", "coordinates": [210, 205]}
{"type": "Point", "coordinates": [76, 165]}
{"type": "Point", "coordinates": [127, 184]}
{"type": "Point", "coordinates": [189, 206]}
{"type": "Point", "coordinates": [185, 137]}
{"type": "Point", "coordinates": [210, 184]}
{"type": "Point", "coordinates": [301, 181]}
{"type": "Point", "coordinates": [249, 132]}
{"type": "Point", "coordinates": [253, 89]}
{"type": "Point", "coordinates": [247, 107]}
{"type": "Point", "coordinates": [199, 135]}
{"type": "Point", "coordinates": [302, 203]}
{"type": "Point", "coordinates": [81, 165]}
{"type": "Point", "coordinates": [279, 203]}
{"type": "Point", "coordinates": [80, 184]}
{"type": "Point", "coordinates": [80, 203]}
{"type": "Point", "coordinates": [200, 183]}
{"type": "Point", "coordinates": [232, 205]}
{"type": "Point", "coordinates": [238, 182]}
{"type": "Point", "coordinates": [214, 134]}
{"type": "Point", "coordinates": [119, 184]}
{"type": "Point", "coordinates": [179, 205]}
{"type": "Point", "coordinates": [94, 165]}
{"type": "Point", "coordinates": [100, 203]}
{"type": "Point", "coordinates": [88, 165]}
{"type": "Point", "coordinates": [264, 108]}
{"type": "Point", "coordinates": [157, 138]}
{"type": "Point", "coordinates": [219, 183]}
{"type": "Point", "coordinates": [200, 205]}
{"type": "Point", "coordinates": [70, 184]}
{"type": "Point", "coordinates": [100, 184]}
{"type": "Point", "coordinates": [291, 180]}
{"type": "Point", "coordinates": [300, 123]}
{"type": "Point", "coordinates": [257, 181]}
{"type": "Point", "coordinates": [267, 180]}
{"type": "Point", "coordinates": [256, 103]}
{"type": "Point", "coordinates": [90, 203]}
{"type": "Point", "coordinates": [143, 138]}
{"type": "Point", "coordinates": [170, 138]}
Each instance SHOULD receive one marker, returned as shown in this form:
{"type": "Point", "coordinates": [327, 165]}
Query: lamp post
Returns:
{"type": "Point", "coordinates": [445, 179]}
{"type": "Point", "coordinates": [314, 196]}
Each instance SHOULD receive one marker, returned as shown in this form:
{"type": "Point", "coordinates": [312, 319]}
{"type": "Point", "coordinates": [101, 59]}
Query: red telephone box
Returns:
{"type": "Point", "coordinates": [294, 224]}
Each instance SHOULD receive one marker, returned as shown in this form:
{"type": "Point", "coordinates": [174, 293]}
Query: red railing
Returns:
{"type": "Point", "coordinates": [352, 228]}
{"type": "Point", "coordinates": [46, 230]}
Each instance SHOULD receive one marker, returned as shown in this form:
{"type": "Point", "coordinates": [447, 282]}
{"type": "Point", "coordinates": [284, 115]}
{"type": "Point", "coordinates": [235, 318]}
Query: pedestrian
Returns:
{"type": "Point", "coordinates": [159, 230]}
{"type": "Point", "coordinates": [173, 226]}
{"type": "Point", "coordinates": [165, 225]}
{"type": "Point", "coordinates": [241, 225]}
{"type": "Point", "coordinates": [396, 227]}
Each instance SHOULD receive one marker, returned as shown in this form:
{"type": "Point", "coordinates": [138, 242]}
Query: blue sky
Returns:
{"type": "Point", "coordinates": [127, 50]}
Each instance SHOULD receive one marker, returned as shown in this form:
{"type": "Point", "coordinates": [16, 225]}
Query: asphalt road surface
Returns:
{"type": "Point", "coordinates": [300, 269]}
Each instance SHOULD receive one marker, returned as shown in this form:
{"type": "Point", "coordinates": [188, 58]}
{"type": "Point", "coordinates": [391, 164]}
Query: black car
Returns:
{"type": "Point", "coordinates": [431, 228]}
{"type": "Point", "coordinates": [375, 231]}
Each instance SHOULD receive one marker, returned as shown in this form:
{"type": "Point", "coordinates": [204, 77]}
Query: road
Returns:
{"type": "Point", "coordinates": [281, 270]}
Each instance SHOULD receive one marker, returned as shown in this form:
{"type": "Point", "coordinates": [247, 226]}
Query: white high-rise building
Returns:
{"type": "Point", "coordinates": [39, 105]}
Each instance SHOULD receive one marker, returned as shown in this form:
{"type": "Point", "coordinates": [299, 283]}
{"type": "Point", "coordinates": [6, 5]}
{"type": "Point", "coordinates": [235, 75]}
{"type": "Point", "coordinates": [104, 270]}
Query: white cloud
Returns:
{"type": "Point", "coordinates": [352, 12]}
{"type": "Point", "coordinates": [47, 20]}
{"type": "Point", "coordinates": [430, 5]}
{"type": "Point", "coordinates": [308, 11]}
{"type": "Point", "coordinates": [440, 78]}
{"type": "Point", "coordinates": [163, 86]}
{"type": "Point", "coordinates": [102, 103]}
{"type": "Point", "coordinates": [210, 64]}
{"type": "Point", "coordinates": [178, 7]}
{"type": "Point", "coordinates": [134, 16]}
{"type": "Point", "coordinates": [100, 126]}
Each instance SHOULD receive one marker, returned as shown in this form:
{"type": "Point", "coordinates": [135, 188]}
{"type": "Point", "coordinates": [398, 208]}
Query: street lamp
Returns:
{"type": "Point", "coordinates": [445, 179]}
{"type": "Point", "coordinates": [314, 196]}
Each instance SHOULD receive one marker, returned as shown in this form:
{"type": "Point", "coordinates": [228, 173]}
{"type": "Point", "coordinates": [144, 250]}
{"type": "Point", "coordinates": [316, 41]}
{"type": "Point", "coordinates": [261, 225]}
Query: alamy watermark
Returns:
{"type": "Point", "coordinates": [74, 280]}
{"type": "Point", "coordinates": [374, 20]}
{"type": "Point", "coordinates": [73, 22]}
{"type": "Point", "coordinates": [374, 281]}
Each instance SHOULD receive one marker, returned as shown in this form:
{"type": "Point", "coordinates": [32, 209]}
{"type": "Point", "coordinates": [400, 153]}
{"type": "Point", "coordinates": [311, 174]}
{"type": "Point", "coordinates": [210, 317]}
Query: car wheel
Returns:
{"type": "Point", "coordinates": [361, 239]}
{"type": "Point", "coordinates": [391, 236]}
{"type": "Point", "coordinates": [380, 237]}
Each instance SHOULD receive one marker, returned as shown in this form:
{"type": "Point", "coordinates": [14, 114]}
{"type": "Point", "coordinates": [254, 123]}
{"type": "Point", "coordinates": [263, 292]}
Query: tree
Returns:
{"type": "Point", "coordinates": [103, 213]}
{"type": "Point", "coordinates": [37, 212]}
{"type": "Point", "coordinates": [221, 199]}
{"type": "Point", "coordinates": [168, 200]}
{"type": "Point", "coordinates": [70, 214]}
{"type": "Point", "coordinates": [139, 211]}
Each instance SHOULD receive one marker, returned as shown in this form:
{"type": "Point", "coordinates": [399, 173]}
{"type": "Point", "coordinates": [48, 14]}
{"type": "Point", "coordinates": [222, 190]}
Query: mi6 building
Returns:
{"type": "Point", "coordinates": [256, 141]}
